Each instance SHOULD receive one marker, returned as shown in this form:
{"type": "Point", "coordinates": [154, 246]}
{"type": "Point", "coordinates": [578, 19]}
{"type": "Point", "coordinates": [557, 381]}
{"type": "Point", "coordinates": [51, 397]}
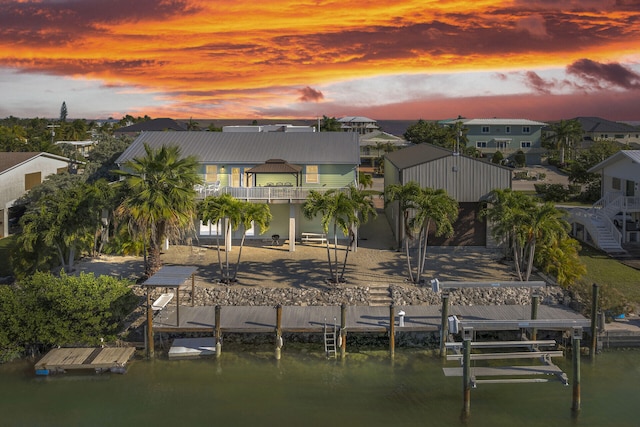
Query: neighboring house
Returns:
{"type": "Point", "coordinates": [162, 124]}
{"type": "Point", "coordinates": [360, 125]}
{"type": "Point", "coordinates": [268, 128]}
{"type": "Point", "coordinates": [507, 136]}
{"type": "Point", "coordinates": [599, 129]}
{"type": "Point", "coordinates": [278, 168]}
{"type": "Point", "coordinates": [467, 180]}
{"type": "Point", "coordinates": [613, 220]}
{"type": "Point", "coordinates": [19, 172]}
{"type": "Point", "coordinates": [374, 145]}
{"type": "Point", "coordinates": [81, 147]}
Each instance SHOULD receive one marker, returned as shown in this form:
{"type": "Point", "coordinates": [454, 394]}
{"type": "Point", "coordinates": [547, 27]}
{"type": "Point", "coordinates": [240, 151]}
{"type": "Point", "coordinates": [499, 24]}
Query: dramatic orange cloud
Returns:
{"type": "Point", "coordinates": [236, 58]}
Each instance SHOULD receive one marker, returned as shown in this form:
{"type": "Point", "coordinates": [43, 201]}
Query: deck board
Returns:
{"type": "Point", "coordinates": [62, 359]}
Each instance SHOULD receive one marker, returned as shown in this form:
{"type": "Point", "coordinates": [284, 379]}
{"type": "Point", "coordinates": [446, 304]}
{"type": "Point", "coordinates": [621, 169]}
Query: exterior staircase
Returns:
{"type": "Point", "coordinates": [379, 295]}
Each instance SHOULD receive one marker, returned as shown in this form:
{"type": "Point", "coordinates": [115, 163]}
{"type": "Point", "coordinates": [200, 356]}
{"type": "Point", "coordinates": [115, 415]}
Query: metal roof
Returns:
{"type": "Point", "coordinates": [502, 122]}
{"type": "Point", "coordinates": [425, 153]}
{"type": "Point", "coordinates": [254, 147]}
{"type": "Point", "coordinates": [634, 155]}
{"type": "Point", "coordinates": [170, 276]}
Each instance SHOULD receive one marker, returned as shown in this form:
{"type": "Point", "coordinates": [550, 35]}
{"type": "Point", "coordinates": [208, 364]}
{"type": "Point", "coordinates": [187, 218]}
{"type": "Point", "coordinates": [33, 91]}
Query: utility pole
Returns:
{"type": "Point", "coordinates": [53, 131]}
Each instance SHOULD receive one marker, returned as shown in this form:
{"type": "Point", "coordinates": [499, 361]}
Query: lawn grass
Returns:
{"type": "Point", "coordinates": [5, 255]}
{"type": "Point", "coordinates": [608, 272]}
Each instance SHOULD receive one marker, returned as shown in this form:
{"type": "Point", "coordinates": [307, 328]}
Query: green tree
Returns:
{"type": "Point", "coordinates": [63, 112]}
{"type": "Point", "coordinates": [66, 310]}
{"type": "Point", "coordinates": [450, 136]}
{"type": "Point", "coordinates": [330, 124]}
{"type": "Point", "coordinates": [160, 198]}
{"type": "Point", "coordinates": [342, 211]}
{"type": "Point", "coordinates": [564, 135]}
{"type": "Point", "coordinates": [365, 180]}
{"type": "Point", "coordinates": [193, 125]}
{"type": "Point", "coordinates": [236, 214]}
{"type": "Point", "coordinates": [497, 158]}
{"type": "Point", "coordinates": [405, 195]}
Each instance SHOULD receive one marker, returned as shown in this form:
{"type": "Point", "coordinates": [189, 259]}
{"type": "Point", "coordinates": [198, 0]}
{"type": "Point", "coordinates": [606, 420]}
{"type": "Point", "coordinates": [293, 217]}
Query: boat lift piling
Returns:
{"type": "Point", "coordinates": [535, 301]}
{"type": "Point", "coordinates": [279, 342]}
{"type": "Point", "coordinates": [392, 330]}
{"type": "Point", "coordinates": [594, 322]}
{"type": "Point", "coordinates": [575, 405]}
{"type": "Point", "coordinates": [218, 332]}
{"type": "Point", "coordinates": [343, 331]}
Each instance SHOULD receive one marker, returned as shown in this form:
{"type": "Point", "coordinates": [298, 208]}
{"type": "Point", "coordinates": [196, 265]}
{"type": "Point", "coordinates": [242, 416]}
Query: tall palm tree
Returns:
{"type": "Point", "coordinates": [406, 196]}
{"type": "Point", "coordinates": [235, 213]}
{"type": "Point", "coordinates": [160, 198]}
{"type": "Point", "coordinates": [432, 207]}
{"type": "Point", "coordinates": [566, 133]}
{"type": "Point", "coordinates": [343, 211]}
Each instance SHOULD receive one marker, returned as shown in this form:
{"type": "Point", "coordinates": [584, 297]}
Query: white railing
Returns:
{"type": "Point", "coordinates": [273, 193]}
{"type": "Point", "coordinates": [589, 219]}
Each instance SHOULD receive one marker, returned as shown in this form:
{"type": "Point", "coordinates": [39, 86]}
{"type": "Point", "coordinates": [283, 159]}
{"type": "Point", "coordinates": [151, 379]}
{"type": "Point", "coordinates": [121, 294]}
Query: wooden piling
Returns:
{"type": "Point", "coordinates": [594, 322]}
{"type": "Point", "coordinates": [535, 302]}
{"type": "Point", "coordinates": [466, 379]}
{"type": "Point", "coordinates": [575, 405]}
{"type": "Point", "coordinates": [150, 346]}
{"type": "Point", "coordinates": [343, 331]}
{"type": "Point", "coordinates": [444, 324]}
{"type": "Point", "coordinates": [193, 289]}
{"type": "Point", "coordinates": [392, 330]}
{"type": "Point", "coordinates": [278, 331]}
{"type": "Point", "coordinates": [218, 332]}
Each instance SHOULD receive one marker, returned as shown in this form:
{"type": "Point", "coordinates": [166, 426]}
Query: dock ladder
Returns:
{"type": "Point", "coordinates": [330, 335]}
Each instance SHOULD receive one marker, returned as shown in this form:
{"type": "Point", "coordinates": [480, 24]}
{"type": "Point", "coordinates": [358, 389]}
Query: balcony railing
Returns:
{"type": "Point", "coordinates": [268, 194]}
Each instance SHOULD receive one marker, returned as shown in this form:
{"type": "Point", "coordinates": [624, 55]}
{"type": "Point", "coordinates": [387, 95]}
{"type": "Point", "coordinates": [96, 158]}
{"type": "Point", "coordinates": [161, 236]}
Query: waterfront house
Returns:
{"type": "Point", "coordinates": [19, 172]}
{"type": "Point", "coordinates": [614, 220]}
{"type": "Point", "coordinates": [599, 129]}
{"type": "Point", "coordinates": [468, 180]}
{"type": "Point", "coordinates": [153, 125]}
{"type": "Point", "coordinates": [508, 136]}
{"type": "Point", "coordinates": [358, 124]}
{"type": "Point", "coordinates": [278, 168]}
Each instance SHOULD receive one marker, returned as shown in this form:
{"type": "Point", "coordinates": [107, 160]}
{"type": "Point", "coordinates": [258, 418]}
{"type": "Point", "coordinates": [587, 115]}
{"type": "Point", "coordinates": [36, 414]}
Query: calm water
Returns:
{"type": "Point", "coordinates": [247, 389]}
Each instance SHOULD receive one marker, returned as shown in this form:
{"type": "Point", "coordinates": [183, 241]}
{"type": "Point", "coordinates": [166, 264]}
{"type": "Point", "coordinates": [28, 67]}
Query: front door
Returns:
{"type": "Point", "coordinates": [631, 188]}
{"type": "Point", "coordinates": [236, 177]}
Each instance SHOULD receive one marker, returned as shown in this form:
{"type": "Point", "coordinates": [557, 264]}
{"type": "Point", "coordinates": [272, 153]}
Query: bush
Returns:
{"type": "Point", "coordinates": [497, 157]}
{"type": "Point", "coordinates": [552, 192]}
{"type": "Point", "coordinates": [520, 159]}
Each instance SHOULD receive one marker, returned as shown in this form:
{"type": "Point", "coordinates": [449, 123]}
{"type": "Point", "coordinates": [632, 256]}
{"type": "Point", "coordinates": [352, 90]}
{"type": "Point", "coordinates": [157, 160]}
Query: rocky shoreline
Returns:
{"type": "Point", "coordinates": [354, 295]}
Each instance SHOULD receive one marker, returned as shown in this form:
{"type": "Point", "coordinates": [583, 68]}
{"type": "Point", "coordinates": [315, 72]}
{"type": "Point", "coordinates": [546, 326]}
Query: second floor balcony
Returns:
{"type": "Point", "coordinates": [268, 194]}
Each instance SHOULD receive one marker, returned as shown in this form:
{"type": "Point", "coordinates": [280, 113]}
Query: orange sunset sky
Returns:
{"type": "Point", "coordinates": [536, 59]}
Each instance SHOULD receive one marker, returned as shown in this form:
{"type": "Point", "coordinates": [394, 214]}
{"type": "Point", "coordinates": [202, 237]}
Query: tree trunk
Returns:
{"type": "Point", "coordinates": [406, 245]}
{"type": "Point", "coordinates": [237, 266]}
{"type": "Point", "coordinates": [153, 260]}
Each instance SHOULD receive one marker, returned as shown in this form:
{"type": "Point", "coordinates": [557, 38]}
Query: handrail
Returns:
{"type": "Point", "coordinates": [274, 193]}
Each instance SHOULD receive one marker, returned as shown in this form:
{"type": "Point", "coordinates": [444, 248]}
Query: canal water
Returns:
{"type": "Point", "coordinates": [305, 389]}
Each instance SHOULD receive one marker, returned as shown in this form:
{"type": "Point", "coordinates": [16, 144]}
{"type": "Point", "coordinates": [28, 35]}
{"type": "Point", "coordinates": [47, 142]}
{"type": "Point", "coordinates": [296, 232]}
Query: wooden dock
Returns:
{"type": "Point", "coordinates": [311, 319]}
{"type": "Point", "coordinates": [60, 360]}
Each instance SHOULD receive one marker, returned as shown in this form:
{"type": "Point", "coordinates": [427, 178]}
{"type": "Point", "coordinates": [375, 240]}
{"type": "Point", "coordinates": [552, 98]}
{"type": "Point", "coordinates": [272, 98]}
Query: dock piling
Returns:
{"type": "Point", "coordinates": [444, 324]}
{"type": "Point", "coordinates": [278, 331]}
{"type": "Point", "coordinates": [150, 346]}
{"type": "Point", "coordinates": [535, 301]}
{"type": "Point", "coordinates": [392, 330]}
{"type": "Point", "coordinates": [594, 321]}
{"type": "Point", "coordinates": [218, 332]}
{"type": "Point", "coordinates": [467, 333]}
{"type": "Point", "coordinates": [343, 330]}
{"type": "Point", "coordinates": [575, 406]}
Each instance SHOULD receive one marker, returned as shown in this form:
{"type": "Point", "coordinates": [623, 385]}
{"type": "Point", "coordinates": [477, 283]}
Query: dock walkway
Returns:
{"type": "Point", "coordinates": [60, 360]}
{"type": "Point", "coordinates": [427, 318]}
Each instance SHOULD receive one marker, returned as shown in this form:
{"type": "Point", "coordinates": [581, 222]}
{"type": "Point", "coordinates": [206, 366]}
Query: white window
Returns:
{"type": "Point", "coordinates": [526, 129]}
{"type": "Point", "coordinates": [311, 175]}
{"type": "Point", "coordinates": [481, 144]}
{"type": "Point", "coordinates": [525, 144]}
{"type": "Point", "coordinates": [209, 229]}
{"type": "Point", "coordinates": [485, 129]}
{"type": "Point", "coordinates": [211, 173]}
{"type": "Point", "coordinates": [507, 129]}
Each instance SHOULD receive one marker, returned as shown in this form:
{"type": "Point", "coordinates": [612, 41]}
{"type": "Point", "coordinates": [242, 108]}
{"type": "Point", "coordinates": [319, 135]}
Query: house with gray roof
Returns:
{"type": "Point", "coordinates": [507, 136]}
{"type": "Point", "coordinates": [468, 180]}
{"type": "Point", "coordinates": [613, 221]}
{"type": "Point", "coordinates": [599, 129]}
{"type": "Point", "coordinates": [360, 125]}
{"type": "Point", "coordinates": [278, 168]}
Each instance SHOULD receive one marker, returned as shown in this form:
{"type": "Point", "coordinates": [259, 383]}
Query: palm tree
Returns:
{"type": "Point", "coordinates": [431, 207]}
{"type": "Point", "coordinates": [344, 211]}
{"type": "Point", "coordinates": [365, 180]}
{"type": "Point", "coordinates": [566, 133]}
{"type": "Point", "coordinates": [236, 213]}
{"type": "Point", "coordinates": [160, 198]}
{"type": "Point", "coordinates": [405, 195]}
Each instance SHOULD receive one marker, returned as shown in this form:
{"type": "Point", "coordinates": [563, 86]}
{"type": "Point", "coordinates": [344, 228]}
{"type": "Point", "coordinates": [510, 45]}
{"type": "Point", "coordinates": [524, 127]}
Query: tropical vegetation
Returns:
{"type": "Point", "coordinates": [423, 211]}
{"type": "Point", "coordinates": [342, 211]}
{"type": "Point", "coordinates": [159, 200]}
{"type": "Point", "coordinates": [225, 209]}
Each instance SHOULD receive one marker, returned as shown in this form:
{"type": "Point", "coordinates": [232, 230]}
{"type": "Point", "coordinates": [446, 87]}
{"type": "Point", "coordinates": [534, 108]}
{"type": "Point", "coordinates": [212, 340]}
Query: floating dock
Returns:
{"type": "Point", "coordinates": [189, 348]}
{"type": "Point", "coordinates": [61, 360]}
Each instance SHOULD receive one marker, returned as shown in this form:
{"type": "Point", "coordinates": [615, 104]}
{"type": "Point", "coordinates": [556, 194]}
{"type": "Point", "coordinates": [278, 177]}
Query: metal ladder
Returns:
{"type": "Point", "coordinates": [330, 339]}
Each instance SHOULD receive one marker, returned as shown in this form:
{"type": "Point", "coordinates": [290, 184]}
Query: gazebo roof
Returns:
{"type": "Point", "coordinates": [275, 166]}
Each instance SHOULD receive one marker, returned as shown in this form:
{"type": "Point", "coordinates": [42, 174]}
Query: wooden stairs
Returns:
{"type": "Point", "coordinates": [379, 295]}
